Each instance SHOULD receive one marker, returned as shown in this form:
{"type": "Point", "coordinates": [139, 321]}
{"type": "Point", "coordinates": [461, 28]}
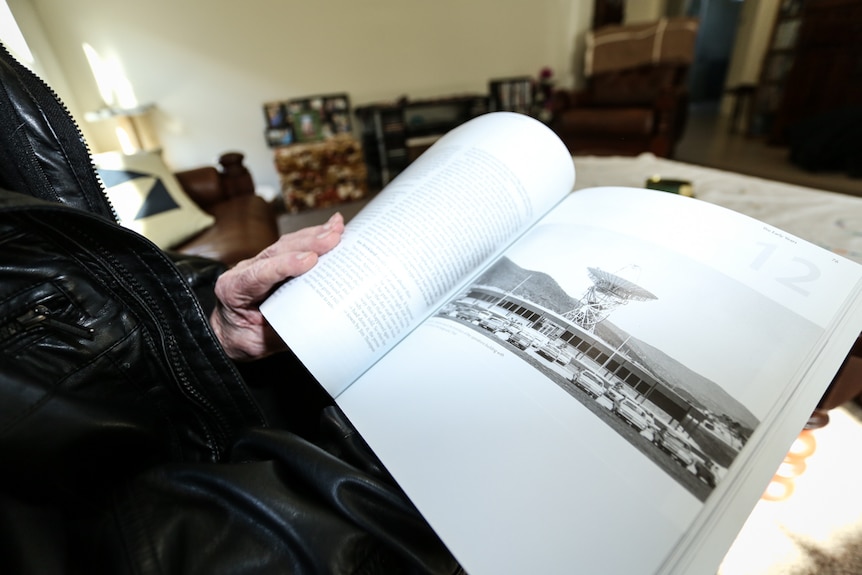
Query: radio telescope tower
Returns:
{"type": "Point", "coordinates": [608, 292]}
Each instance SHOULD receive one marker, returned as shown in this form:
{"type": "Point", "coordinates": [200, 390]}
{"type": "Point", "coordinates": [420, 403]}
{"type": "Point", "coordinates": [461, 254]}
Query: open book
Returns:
{"type": "Point", "coordinates": [601, 381]}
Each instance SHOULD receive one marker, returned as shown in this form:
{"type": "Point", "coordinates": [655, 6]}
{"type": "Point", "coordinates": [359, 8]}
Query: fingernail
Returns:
{"type": "Point", "coordinates": [302, 255]}
{"type": "Point", "coordinates": [326, 231]}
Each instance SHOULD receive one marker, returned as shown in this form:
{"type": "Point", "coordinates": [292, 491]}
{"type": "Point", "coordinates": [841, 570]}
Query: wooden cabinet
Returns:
{"type": "Point", "coordinates": [777, 63]}
{"type": "Point", "coordinates": [820, 69]}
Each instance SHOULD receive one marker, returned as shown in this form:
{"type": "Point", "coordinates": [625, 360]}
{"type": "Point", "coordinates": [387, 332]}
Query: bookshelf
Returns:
{"type": "Point", "coordinates": [777, 64]}
{"type": "Point", "coordinates": [395, 133]}
{"type": "Point", "coordinates": [812, 67]}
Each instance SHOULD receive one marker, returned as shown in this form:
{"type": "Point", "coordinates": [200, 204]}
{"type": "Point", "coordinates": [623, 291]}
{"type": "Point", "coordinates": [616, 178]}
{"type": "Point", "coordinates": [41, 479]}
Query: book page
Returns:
{"type": "Point", "coordinates": [463, 200]}
{"type": "Point", "coordinates": [600, 395]}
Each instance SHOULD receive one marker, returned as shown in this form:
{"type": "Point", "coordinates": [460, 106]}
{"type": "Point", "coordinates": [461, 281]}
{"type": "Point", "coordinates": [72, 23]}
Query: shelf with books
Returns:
{"type": "Point", "coordinates": [396, 133]}
{"type": "Point", "coordinates": [777, 64]}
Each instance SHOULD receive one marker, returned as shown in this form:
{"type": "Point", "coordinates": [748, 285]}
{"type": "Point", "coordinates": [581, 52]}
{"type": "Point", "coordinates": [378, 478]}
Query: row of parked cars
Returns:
{"type": "Point", "coordinates": [515, 333]}
{"type": "Point", "coordinates": [617, 398]}
{"type": "Point", "coordinates": [504, 329]}
{"type": "Point", "coordinates": [666, 438]}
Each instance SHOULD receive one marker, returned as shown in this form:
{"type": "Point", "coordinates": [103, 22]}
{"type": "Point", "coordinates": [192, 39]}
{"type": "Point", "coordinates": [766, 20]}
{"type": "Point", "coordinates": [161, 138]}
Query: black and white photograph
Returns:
{"type": "Point", "coordinates": [612, 325]}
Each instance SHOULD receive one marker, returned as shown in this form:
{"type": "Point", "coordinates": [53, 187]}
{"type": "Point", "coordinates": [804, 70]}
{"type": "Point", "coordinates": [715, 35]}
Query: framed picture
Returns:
{"type": "Point", "coordinates": [309, 119]}
{"type": "Point", "coordinates": [279, 137]}
{"type": "Point", "coordinates": [306, 125]}
{"type": "Point", "coordinates": [276, 115]}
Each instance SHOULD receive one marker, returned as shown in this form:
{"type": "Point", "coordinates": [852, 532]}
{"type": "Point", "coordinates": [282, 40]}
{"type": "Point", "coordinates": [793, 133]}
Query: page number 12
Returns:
{"type": "Point", "coordinates": [808, 272]}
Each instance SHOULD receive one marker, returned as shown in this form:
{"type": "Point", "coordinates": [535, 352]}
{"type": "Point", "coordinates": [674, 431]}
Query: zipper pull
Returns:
{"type": "Point", "coordinates": [41, 315]}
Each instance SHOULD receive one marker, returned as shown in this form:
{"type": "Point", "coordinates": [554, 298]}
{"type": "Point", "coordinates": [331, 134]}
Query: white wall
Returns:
{"type": "Point", "coordinates": [752, 38]}
{"type": "Point", "coordinates": [637, 11]}
{"type": "Point", "coordinates": [209, 65]}
{"type": "Point", "coordinates": [753, 33]}
{"type": "Point", "coordinates": [45, 62]}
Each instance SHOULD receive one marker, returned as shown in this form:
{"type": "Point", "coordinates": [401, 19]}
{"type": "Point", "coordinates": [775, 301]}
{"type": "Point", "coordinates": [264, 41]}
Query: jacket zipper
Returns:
{"type": "Point", "coordinates": [134, 295]}
{"type": "Point", "coordinates": [27, 75]}
{"type": "Point", "coordinates": [40, 315]}
{"type": "Point", "coordinates": [169, 347]}
{"type": "Point", "coordinates": [170, 352]}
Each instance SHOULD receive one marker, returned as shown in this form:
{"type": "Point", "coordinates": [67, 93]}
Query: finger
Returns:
{"type": "Point", "coordinates": [254, 281]}
{"type": "Point", "coordinates": [319, 239]}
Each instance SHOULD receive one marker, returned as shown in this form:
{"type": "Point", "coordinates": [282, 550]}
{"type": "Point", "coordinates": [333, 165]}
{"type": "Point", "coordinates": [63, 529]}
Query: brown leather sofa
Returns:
{"type": "Point", "coordinates": [245, 223]}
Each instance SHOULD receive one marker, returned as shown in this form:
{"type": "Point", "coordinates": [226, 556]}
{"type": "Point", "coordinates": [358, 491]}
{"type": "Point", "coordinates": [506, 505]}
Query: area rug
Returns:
{"type": "Point", "coordinates": [817, 530]}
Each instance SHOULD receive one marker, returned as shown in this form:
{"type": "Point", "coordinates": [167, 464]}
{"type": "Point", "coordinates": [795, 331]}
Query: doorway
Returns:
{"type": "Point", "coordinates": [719, 20]}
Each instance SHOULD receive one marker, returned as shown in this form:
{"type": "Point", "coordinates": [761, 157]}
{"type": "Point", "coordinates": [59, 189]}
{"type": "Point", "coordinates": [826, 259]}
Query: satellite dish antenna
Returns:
{"type": "Point", "coordinates": [608, 292]}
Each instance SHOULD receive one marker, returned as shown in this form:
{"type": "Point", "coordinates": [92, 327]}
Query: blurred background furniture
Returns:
{"type": "Point", "coordinates": [321, 174]}
{"type": "Point", "coordinates": [396, 133]}
{"type": "Point", "coordinates": [811, 67]}
{"type": "Point", "coordinates": [245, 223]}
{"type": "Point", "coordinates": [636, 94]}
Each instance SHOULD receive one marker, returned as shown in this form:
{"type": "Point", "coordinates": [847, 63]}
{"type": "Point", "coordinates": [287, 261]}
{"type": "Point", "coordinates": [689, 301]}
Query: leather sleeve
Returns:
{"type": "Point", "coordinates": [201, 275]}
{"type": "Point", "coordinates": [282, 502]}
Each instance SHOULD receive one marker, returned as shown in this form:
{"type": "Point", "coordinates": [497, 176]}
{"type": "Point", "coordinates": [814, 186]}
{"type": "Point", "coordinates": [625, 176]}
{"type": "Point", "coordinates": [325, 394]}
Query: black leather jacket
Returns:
{"type": "Point", "coordinates": [129, 442]}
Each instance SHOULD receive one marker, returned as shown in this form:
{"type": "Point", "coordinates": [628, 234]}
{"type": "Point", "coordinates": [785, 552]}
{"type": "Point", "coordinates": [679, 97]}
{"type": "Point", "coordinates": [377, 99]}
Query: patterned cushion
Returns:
{"type": "Point", "coordinates": [148, 199]}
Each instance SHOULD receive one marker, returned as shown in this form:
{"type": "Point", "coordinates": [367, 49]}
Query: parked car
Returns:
{"type": "Point", "coordinates": [614, 394]}
{"type": "Point", "coordinates": [590, 383]}
{"type": "Point", "coordinates": [502, 334]}
{"type": "Point", "coordinates": [675, 445]}
{"type": "Point", "coordinates": [548, 351]}
{"type": "Point", "coordinates": [520, 340]}
{"type": "Point", "coordinates": [634, 414]}
{"type": "Point", "coordinates": [605, 401]}
{"type": "Point", "coordinates": [705, 471]}
{"type": "Point", "coordinates": [553, 353]}
{"type": "Point", "coordinates": [493, 323]}
{"type": "Point", "coordinates": [468, 314]}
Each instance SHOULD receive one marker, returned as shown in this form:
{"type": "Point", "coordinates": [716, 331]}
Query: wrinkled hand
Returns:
{"type": "Point", "coordinates": [236, 319]}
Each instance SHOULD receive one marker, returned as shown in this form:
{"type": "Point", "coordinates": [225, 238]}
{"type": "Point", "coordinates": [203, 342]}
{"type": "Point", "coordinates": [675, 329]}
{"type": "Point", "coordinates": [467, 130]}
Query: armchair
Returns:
{"type": "Point", "coordinates": [636, 97]}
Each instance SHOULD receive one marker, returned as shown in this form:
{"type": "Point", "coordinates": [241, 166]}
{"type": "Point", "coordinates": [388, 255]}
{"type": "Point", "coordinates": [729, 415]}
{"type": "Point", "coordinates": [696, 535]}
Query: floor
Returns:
{"type": "Point", "coordinates": [817, 529]}
{"type": "Point", "coordinates": [708, 141]}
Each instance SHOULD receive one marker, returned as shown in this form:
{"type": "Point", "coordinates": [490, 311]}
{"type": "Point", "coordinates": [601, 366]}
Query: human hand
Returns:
{"type": "Point", "coordinates": [236, 319]}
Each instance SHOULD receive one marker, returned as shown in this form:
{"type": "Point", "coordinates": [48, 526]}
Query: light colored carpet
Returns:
{"type": "Point", "coordinates": [818, 529]}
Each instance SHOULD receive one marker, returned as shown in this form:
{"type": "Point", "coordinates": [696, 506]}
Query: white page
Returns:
{"type": "Point", "coordinates": [517, 474]}
{"type": "Point", "coordinates": [465, 198]}
{"type": "Point", "coordinates": [513, 475]}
